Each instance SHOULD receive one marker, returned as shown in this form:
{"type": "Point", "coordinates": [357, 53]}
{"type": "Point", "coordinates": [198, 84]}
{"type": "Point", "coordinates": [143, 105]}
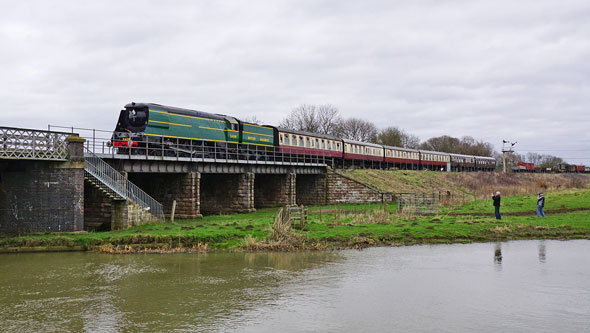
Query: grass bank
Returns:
{"type": "Point", "coordinates": [468, 185]}
{"type": "Point", "coordinates": [341, 226]}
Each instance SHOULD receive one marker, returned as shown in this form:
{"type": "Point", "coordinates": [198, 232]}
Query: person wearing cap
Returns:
{"type": "Point", "coordinates": [540, 205]}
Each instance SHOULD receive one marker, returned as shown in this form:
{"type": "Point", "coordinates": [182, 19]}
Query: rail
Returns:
{"type": "Point", "coordinates": [24, 143]}
{"type": "Point", "coordinates": [115, 181]}
{"type": "Point", "coordinates": [99, 143]}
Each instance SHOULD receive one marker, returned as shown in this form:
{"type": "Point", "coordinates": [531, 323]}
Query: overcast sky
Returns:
{"type": "Point", "coordinates": [517, 70]}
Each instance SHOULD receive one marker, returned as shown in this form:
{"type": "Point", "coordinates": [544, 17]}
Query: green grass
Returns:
{"type": "Point", "coordinates": [565, 199]}
{"type": "Point", "coordinates": [352, 224]}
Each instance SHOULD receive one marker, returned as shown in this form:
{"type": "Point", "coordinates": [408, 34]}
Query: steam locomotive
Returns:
{"type": "Point", "coordinates": [159, 130]}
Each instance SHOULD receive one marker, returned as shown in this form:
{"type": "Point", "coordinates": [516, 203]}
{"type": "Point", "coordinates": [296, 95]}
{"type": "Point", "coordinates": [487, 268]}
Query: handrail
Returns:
{"type": "Point", "coordinates": [115, 181]}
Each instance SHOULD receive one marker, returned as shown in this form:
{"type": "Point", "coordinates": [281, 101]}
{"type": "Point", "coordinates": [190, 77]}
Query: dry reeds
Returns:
{"type": "Point", "coordinates": [281, 228]}
{"type": "Point", "coordinates": [151, 248]}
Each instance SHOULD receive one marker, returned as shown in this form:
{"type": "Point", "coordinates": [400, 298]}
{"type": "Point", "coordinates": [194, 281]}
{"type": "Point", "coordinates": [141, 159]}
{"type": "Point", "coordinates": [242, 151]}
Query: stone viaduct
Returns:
{"type": "Point", "coordinates": [48, 182]}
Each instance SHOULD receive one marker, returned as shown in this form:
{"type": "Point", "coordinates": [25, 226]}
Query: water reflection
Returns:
{"type": "Point", "coordinates": [96, 292]}
{"type": "Point", "coordinates": [416, 288]}
{"type": "Point", "coordinates": [542, 256]}
{"type": "Point", "coordinates": [498, 255]}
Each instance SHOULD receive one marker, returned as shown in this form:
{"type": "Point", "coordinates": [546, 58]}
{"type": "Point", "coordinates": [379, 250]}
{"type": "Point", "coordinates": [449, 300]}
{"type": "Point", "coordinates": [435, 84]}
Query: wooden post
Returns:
{"type": "Point", "coordinates": [173, 211]}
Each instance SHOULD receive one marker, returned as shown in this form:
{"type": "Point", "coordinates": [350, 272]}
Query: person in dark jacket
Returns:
{"type": "Point", "coordinates": [497, 199]}
{"type": "Point", "coordinates": [540, 205]}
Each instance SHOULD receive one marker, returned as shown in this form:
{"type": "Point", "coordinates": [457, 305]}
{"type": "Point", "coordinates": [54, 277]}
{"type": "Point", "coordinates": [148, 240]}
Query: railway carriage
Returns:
{"type": "Point", "coordinates": [460, 162]}
{"type": "Point", "coordinates": [401, 158]}
{"type": "Point", "coordinates": [308, 144]}
{"type": "Point", "coordinates": [483, 163]}
{"type": "Point", "coordinates": [357, 153]}
{"type": "Point", "coordinates": [433, 160]}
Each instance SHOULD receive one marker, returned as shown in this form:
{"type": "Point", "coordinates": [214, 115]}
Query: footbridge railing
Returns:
{"type": "Point", "coordinates": [116, 182]}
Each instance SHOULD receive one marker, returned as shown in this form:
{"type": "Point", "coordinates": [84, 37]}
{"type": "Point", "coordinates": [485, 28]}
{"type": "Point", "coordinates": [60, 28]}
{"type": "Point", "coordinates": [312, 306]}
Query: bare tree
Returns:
{"type": "Point", "coordinates": [357, 129]}
{"type": "Point", "coordinates": [394, 136]}
{"type": "Point", "coordinates": [467, 145]}
{"type": "Point", "coordinates": [252, 120]}
{"type": "Point", "coordinates": [320, 119]}
{"type": "Point", "coordinates": [411, 141]}
{"type": "Point", "coordinates": [544, 161]}
{"type": "Point", "coordinates": [443, 143]}
{"type": "Point", "coordinates": [328, 118]}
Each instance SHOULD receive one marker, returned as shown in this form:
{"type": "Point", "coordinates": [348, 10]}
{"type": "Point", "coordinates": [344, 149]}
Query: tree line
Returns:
{"type": "Point", "coordinates": [326, 119]}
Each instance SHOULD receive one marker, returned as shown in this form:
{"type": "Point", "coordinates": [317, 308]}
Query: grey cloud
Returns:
{"type": "Point", "coordinates": [491, 70]}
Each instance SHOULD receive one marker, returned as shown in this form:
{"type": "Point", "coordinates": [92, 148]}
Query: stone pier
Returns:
{"type": "Point", "coordinates": [273, 190]}
{"type": "Point", "coordinates": [227, 193]}
{"type": "Point", "coordinates": [167, 187]}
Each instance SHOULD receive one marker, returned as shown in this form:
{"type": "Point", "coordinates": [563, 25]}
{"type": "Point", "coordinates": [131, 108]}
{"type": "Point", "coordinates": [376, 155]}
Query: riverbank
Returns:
{"type": "Point", "coordinates": [336, 227]}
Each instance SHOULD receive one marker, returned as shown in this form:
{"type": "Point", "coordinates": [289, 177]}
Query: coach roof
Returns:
{"type": "Point", "coordinates": [323, 136]}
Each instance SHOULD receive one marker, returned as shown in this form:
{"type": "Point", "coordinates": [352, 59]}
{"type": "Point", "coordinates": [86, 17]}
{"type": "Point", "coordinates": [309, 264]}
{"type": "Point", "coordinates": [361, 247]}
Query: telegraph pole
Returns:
{"type": "Point", "coordinates": [506, 149]}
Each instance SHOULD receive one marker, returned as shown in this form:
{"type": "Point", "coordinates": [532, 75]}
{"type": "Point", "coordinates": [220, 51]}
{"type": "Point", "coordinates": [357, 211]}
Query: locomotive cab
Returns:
{"type": "Point", "coordinates": [133, 119]}
{"type": "Point", "coordinates": [131, 124]}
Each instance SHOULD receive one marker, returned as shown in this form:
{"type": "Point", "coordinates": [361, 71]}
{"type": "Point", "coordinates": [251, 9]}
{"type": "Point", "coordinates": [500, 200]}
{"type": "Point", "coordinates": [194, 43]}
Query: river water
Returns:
{"type": "Point", "coordinates": [513, 286]}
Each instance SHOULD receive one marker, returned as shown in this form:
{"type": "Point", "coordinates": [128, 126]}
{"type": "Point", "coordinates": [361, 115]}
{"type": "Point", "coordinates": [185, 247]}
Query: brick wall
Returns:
{"type": "Point", "coordinates": [40, 196]}
{"type": "Point", "coordinates": [97, 209]}
{"type": "Point", "coordinates": [341, 189]}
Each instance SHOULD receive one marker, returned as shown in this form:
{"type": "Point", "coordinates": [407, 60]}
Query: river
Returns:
{"type": "Point", "coordinates": [512, 286]}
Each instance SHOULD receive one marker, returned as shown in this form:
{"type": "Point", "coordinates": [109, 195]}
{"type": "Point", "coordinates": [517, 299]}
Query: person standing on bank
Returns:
{"type": "Point", "coordinates": [540, 204]}
{"type": "Point", "coordinates": [497, 199]}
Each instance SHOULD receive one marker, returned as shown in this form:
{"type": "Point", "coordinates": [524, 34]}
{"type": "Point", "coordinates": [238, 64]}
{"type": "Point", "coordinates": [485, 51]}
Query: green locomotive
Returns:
{"type": "Point", "coordinates": [164, 130]}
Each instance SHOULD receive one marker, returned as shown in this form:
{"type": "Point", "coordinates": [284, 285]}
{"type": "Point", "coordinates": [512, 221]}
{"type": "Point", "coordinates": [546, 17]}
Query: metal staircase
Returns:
{"type": "Point", "coordinates": [108, 180]}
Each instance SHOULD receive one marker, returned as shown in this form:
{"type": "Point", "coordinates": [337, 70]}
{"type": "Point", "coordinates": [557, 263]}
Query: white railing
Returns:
{"type": "Point", "coordinates": [116, 182]}
{"type": "Point", "coordinates": [22, 143]}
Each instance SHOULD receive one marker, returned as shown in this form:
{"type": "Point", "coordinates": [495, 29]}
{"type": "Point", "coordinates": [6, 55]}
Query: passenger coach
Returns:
{"type": "Point", "coordinates": [357, 153]}
{"type": "Point", "coordinates": [305, 143]}
{"type": "Point", "coordinates": [433, 160]}
{"type": "Point", "coordinates": [401, 158]}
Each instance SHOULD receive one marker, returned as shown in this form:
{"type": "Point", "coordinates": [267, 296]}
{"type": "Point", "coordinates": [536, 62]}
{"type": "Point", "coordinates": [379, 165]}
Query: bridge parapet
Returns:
{"type": "Point", "coordinates": [30, 144]}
